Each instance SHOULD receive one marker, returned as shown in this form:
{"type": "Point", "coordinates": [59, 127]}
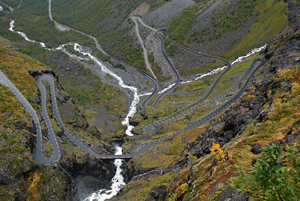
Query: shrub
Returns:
{"type": "Point", "coordinates": [268, 179]}
{"type": "Point", "coordinates": [219, 152]}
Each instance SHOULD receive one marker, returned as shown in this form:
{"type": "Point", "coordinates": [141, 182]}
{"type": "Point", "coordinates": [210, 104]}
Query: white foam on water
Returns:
{"type": "Point", "coordinates": [167, 88]}
{"type": "Point", "coordinates": [11, 28]}
{"type": "Point", "coordinates": [133, 106]}
{"type": "Point", "coordinates": [117, 182]}
{"type": "Point", "coordinates": [239, 59]}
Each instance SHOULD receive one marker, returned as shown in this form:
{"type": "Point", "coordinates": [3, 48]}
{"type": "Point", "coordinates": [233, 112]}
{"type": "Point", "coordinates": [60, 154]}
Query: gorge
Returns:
{"type": "Point", "coordinates": [157, 160]}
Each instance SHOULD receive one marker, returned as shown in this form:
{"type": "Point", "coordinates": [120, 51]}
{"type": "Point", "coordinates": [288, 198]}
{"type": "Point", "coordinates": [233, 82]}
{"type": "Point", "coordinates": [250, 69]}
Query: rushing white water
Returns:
{"type": "Point", "coordinates": [117, 180]}
{"type": "Point", "coordinates": [132, 108]}
{"type": "Point", "coordinates": [204, 75]}
{"type": "Point", "coordinates": [11, 28]}
{"type": "Point", "coordinates": [239, 59]}
{"type": "Point", "coordinates": [214, 71]}
{"type": "Point", "coordinates": [1, 8]}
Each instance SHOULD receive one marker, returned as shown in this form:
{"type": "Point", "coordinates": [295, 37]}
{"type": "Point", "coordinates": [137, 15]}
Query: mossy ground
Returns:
{"type": "Point", "coordinates": [24, 178]}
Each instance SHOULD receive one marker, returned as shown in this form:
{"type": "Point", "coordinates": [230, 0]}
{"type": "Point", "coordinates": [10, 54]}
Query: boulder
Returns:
{"type": "Point", "coordinates": [230, 194]}
{"type": "Point", "coordinates": [256, 149]}
{"type": "Point", "coordinates": [159, 192]}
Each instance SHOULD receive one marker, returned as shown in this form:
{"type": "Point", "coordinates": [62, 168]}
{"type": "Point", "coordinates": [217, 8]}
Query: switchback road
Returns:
{"type": "Point", "coordinates": [139, 72]}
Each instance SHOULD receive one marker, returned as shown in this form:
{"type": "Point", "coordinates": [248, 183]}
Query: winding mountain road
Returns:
{"type": "Point", "coordinates": [176, 74]}
{"type": "Point", "coordinates": [38, 152]}
{"type": "Point", "coordinates": [229, 102]}
{"type": "Point", "coordinates": [83, 147]}
{"type": "Point", "coordinates": [98, 46]}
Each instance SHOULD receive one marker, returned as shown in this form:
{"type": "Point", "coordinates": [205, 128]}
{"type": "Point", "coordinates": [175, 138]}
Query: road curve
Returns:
{"type": "Point", "coordinates": [163, 31]}
{"type": "Point", "coordinates": [176, 74]}
{"type": "Point", "coordinates": [229, 102]}
{"type": "Point", "coordinates": [82, 146]}
{"type": "Point", "coordinates": [139, 72]}
{"type": "Point", "coordinates": [233, 88]}
{"type": "Point", "coordinates": [38, 152]}
{"type": "Point", "coordinates": [182, 112]}
{"type": "Point", "coordinates": [38, 155]}
{"type": "Point", "coordinates": [142, 44]}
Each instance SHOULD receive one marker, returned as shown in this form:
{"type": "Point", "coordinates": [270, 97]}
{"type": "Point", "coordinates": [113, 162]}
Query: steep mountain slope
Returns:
{"type": "Point", "coordinates": [21, 177]}
{"type": "Point", "coordinates": [182, 166]}
{"type": "Point", "coordinates": [266, 113]}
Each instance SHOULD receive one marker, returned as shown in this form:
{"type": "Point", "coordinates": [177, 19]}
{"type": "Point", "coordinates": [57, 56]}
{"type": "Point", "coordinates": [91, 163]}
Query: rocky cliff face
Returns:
{"type": "Point", "coordinates": [253, 121]}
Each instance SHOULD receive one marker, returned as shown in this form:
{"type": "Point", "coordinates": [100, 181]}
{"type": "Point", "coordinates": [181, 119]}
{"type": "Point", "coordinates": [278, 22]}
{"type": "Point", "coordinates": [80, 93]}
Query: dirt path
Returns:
{"type": "Point", "coordinates": [142, 44]}
{"type": "Point", "coordinates": [210, 6]}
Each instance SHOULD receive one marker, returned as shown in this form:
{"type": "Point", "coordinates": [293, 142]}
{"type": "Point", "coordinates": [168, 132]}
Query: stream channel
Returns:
{"type": "Point", "coordinates": [118, 180]}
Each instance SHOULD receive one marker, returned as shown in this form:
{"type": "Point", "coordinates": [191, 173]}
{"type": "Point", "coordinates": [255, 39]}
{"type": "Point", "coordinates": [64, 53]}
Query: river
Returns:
{"type": "Point", "coordinates": [117, 180]}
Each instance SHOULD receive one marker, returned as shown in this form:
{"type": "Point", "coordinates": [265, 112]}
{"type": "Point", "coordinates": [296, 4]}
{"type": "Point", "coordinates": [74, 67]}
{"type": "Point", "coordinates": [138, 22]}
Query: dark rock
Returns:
{"type": "Point", "coordinates": [214, 190]}
{"type": "Point", "coordinates": [289, 138]}
{"type": "Point", "coordinates": [293, 17]}
{"type": "Point", "coordinates": [269, 55]}
{"type": "Point", "coordinates": [190, 176]}
{"type": "Point", "coordinates": [34, 73]}
{"type": "Point", "coordinates": [159, 192]}
{"type": "Point", "coordinates": [49, 72]}
{"type": "Point", "coordinates": [256, 149]}
{"type": "Point", "coordinates": [134, 123]}
{"type": "Point", "coordinates": [230, 194]}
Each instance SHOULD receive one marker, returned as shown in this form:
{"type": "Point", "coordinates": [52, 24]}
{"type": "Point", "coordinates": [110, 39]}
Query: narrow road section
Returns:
{"type": "Point", "coordinates": [139, 72]}
{"type": "Point", "coordinates": [142, 44]}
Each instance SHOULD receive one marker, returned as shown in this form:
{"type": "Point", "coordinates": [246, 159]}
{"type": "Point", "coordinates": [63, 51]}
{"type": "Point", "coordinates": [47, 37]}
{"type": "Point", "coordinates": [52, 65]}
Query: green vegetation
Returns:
{"type": "Point", "coordinates": [282, 119]}
{"type": "Point", "coordinates": [268, 180]}
{"type": "Point", "coordinates": [229, 19]}
{"type": "Point", "coordinates": [147, 183]}
{"type": "Point", "coordinates": [232, 18]}
{"type": "Point", "coordinates": [131, 55]}
{"type": "Point", "coordinates": [180, 26]}
{"type": "Point", "coordinates": [26, 180]}
{"type": "Point", "coordinates": [198, 37]}
{"type": "Point", "coordinates": [12, 3]}
{"type": "Point", "coordinates": [169, 47]}
{"type": "Point", "coordinates": [95, 95]}
{"type": "Point", "coordinates": [86, 14]}
{"type": "Point", "coordinates": [32, 18]}
{"type": "Point", "coordinates": [16, 67]}
{"type": "Point", "coordinates": [263, 29]}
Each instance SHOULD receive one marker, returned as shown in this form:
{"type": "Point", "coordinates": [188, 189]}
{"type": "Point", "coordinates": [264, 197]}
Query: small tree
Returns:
{"type": "Point", "coordinates": [216, 148]}
{"type": "Point", "coordinates": [269, 180]}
